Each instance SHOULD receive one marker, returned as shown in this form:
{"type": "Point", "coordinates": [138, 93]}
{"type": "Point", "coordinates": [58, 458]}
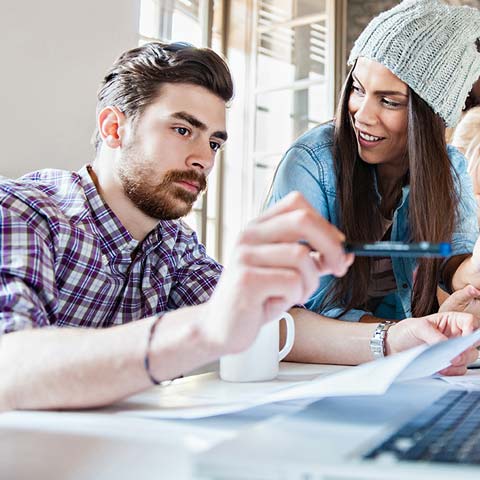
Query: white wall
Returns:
{"type": "Point", "coordinates": [53, 54]}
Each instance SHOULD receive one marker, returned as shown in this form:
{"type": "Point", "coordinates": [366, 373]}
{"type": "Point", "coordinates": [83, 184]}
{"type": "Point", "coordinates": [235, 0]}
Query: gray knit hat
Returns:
{"type": "Point", "coordinates": [432, 47]}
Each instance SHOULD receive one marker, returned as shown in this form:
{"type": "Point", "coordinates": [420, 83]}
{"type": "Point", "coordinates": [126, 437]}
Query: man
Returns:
{"type": "Point", "coordinates": [103, 248]}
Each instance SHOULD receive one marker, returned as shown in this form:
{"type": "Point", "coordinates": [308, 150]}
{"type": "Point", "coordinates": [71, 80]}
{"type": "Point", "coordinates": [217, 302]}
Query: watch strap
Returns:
{"type": "Point", "coordinates": [377, 342]}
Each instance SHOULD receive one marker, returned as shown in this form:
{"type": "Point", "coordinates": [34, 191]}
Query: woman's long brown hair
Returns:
{"type": "Point", "coordinates": [432, 201]}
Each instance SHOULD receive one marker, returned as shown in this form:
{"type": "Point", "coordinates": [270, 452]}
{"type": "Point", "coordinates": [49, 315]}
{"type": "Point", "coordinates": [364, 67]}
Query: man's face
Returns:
{"type": "Point", "coordinates": [170, 149]}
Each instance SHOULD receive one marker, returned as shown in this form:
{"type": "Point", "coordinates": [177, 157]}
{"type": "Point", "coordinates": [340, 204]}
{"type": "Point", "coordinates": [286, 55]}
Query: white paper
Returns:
{"type": "Point", "coordinates": [203, 396]}
{"type": "Point", "coordinates": [469, 381]}
{"type": "Point", "coordinates": [210, 396]}
{"type": "Point", "coordinates": [438, 356]}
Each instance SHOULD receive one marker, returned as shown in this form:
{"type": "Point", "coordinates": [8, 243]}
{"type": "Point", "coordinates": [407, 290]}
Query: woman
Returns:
{"type": "Point", "coordinates": [383, 171]}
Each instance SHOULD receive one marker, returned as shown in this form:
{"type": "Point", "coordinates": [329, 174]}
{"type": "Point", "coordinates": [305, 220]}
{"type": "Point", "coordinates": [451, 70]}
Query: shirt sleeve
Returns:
{"type": "Point", "coordinates": [196, 276]}
{"type": "Point", "coordinates": [333, 311]}
{"type": "Point", "coordinates": [302, 170]}
{"type": "Point", "coordinates": [27, 280]}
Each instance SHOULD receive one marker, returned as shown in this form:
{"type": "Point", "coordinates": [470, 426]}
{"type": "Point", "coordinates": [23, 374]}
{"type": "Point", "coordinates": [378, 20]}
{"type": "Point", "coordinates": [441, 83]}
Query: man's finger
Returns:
{"type": "Point", "coordinates": [263, 284]}
{"type": "Point", "coordinates": [306, 226]}
{"type": "Point", "coordinates": [283, 255]}
{"type": "Point", "coordinates": [323, 266]}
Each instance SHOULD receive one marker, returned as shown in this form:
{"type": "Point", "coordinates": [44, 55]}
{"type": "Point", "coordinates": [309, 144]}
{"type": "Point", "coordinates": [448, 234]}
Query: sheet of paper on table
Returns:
{"type": "Point", "coordinates": [469, 381]}
{"type": "Point", "coordinates": [208, 396]}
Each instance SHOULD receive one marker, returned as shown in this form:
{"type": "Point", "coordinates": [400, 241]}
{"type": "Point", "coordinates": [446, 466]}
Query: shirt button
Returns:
{"type": "Point", "coordinates": [405, 285]}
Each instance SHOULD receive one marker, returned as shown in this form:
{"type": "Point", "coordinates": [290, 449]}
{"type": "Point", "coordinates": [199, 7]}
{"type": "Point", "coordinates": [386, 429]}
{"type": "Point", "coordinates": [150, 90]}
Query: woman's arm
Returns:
{"type": "Point", "coordinates": [319, 339]}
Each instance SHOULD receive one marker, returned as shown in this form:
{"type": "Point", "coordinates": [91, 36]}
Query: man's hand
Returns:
{"type": "Point", "coordinates": [435, 328]}
{"type": "Point", "coordinates": [276, 263]}
{"type": "Point", "coordinates": [465, 300]}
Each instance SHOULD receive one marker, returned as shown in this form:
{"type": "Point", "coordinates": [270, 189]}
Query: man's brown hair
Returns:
{"type": "Point", "coordinates": [136, 77]}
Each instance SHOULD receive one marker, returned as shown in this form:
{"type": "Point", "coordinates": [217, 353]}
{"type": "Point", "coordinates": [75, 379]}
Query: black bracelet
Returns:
{"type": "Point", "coordinates": [146, 360]}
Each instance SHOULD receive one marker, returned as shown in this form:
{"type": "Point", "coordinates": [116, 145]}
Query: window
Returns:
{"type": "Point", "coordinates": [190, 21]}
{"type": "Point", "coordinates": [293, 86]}
{"type": "Point", "coordinates": [170, 20]}
{"type": "Point", "coordinates": [281, 56]}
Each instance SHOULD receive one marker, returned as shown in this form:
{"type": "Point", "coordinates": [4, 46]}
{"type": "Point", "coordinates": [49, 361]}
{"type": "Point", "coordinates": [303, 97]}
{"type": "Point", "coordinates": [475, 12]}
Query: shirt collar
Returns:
{"type": "Point", "coordinates": [114, 236]}
{"type": "Point", "coordinates": [405, 187]}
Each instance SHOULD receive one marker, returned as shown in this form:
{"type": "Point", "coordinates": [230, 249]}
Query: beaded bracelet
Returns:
{"type": "Point", "coordinates": [146, 360]}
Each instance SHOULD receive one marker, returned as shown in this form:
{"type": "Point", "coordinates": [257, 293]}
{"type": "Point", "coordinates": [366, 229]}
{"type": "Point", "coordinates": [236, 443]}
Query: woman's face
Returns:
{"type": "Point", "coordinates": [378, 106]}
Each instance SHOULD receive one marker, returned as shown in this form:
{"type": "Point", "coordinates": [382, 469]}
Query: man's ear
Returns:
{"type": "Point", "coordinates": [111, 123]}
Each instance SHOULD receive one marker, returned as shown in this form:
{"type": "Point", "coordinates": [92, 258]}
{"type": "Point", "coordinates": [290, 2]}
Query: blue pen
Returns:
{"type": "Point", "coordinates": [399, 249]}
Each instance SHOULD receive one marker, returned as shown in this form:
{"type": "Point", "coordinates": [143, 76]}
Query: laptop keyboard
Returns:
{"type": "Point", "coordinates": [447, 431]}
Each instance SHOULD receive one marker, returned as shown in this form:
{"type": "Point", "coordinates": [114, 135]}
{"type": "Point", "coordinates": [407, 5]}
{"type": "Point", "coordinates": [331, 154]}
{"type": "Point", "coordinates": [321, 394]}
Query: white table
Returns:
{"type": "Point", "coordinates": [113, 444]}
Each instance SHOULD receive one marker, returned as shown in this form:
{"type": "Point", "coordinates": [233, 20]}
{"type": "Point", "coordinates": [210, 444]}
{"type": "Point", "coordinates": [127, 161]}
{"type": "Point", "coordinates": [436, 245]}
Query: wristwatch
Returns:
{"type": "Point", "coordinates": [377, 342]}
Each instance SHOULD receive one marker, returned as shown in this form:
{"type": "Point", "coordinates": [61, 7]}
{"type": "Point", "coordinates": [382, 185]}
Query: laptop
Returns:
{"type": "Point", "coordinates": [417, 430]}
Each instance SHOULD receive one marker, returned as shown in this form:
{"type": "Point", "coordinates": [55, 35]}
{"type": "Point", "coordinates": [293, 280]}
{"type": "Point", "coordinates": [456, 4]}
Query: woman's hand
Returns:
{"type": "Point", "coordinates": [435, 328]}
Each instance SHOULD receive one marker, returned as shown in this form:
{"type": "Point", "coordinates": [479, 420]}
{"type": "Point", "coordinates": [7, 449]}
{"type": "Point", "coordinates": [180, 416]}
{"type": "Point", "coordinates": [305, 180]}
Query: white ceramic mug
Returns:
{"type": "Point", "coordinates": [260, 361]}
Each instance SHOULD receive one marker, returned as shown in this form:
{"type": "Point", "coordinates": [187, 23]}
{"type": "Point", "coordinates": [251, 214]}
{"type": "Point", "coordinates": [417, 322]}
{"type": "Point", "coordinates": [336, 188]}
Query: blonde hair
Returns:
{"type": "Point", "coordinates": [466, 137]}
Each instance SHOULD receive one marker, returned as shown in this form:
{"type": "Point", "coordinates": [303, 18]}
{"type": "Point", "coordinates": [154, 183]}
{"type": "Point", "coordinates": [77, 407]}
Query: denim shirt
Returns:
{"type": "Point", "coordinates": [308, 167]}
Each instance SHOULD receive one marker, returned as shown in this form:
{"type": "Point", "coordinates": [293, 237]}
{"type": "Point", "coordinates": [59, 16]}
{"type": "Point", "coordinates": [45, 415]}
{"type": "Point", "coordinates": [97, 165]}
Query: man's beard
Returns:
{"type": "Point", "coordinates": [164, 200]}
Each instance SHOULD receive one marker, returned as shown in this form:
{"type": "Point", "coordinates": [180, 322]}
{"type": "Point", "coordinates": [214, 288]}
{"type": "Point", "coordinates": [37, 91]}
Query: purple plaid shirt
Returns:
{"type": "Point", "coordinates": [66, 260]}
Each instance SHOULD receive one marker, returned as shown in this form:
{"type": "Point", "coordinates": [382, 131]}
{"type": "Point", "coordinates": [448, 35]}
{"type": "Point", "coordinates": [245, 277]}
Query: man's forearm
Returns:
{"type": "Point", "coordinates": [70, 368]}
{"type": "Point", "coordinates": [78, 368]}
{"type": "Point", "coordinates": [319, 339]}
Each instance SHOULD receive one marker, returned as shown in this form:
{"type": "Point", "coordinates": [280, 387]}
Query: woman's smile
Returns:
{"type": "Point", "coordinates": [368, 140]}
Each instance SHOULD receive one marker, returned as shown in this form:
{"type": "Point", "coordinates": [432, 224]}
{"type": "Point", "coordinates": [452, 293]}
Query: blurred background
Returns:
{"type": "Point", "coordinates": [288, 60]}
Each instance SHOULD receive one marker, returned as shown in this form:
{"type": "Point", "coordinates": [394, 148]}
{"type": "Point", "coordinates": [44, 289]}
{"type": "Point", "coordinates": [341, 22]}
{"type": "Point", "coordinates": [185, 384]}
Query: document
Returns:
{"type": "Point", "coordinates": [210, 396]}
{"type": "Point", "coordinates": [469, 381]}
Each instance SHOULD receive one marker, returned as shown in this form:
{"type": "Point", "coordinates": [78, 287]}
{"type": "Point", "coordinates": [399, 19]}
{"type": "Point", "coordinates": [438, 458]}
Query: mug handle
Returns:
{"type": "Point", "coordinates": [290, 336]}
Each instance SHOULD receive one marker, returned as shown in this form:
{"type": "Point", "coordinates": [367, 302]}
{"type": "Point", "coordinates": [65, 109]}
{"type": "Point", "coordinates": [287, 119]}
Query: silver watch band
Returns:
{"type": "Point", "coordinates": [377, 342]}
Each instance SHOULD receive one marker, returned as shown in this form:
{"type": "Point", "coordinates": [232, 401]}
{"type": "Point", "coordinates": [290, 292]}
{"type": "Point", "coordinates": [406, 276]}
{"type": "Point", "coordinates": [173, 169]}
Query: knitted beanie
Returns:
{"type": "Point", "coordinates": [434, 48]}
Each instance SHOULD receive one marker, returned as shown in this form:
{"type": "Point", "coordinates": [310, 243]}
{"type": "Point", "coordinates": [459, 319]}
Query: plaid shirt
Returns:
{"type": "Point", "coordinates": [66, 260]}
